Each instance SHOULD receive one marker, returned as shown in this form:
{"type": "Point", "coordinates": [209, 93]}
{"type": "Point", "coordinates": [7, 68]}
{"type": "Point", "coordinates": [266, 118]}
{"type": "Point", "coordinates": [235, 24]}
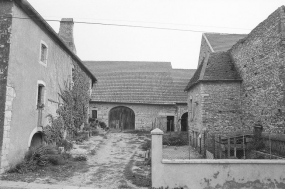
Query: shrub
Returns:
{"type": "Point", "coordinates": [95, 132]}
{"type": "Point", "coordinates": [146, 145]}
{"type": "Point", "coordinates": [102, 124]}
{"type": "Point", "coordinates": [56, 159]}
{"type": "Point", "coordinates": [81, 137]}
{"type": "Point", "coordinates": [38, 156]}
{"type": "Point", "coordinates": [86, 127]}
{"type": "Point", "coordinates": [66, 144]}
{"type": "Point", "coordinates": [176, 140]}
{"type": "Point", "coordinates": [80, 158]}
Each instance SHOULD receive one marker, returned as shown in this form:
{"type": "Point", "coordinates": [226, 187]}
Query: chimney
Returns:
{"type": "Point", "coordinates": [66, 33]}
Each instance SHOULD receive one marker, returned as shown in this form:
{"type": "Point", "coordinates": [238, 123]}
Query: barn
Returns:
{"type": "Point", "coordinates": [139, 95]}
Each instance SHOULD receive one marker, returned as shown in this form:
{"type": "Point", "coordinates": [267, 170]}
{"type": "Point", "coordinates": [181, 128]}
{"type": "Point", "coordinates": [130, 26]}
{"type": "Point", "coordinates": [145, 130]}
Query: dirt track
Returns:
{"type": "Point", "coordinates": [107, 166]}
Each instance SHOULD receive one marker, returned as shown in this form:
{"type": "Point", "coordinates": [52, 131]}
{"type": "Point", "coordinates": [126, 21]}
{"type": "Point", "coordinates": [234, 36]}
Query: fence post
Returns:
{"type": "Point", "coordinates": [156, 157]}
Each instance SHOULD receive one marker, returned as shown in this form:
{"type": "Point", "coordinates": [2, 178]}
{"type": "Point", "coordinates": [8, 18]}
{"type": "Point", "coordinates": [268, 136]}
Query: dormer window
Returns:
{"type": "Point", "coordinates": [43, 53]}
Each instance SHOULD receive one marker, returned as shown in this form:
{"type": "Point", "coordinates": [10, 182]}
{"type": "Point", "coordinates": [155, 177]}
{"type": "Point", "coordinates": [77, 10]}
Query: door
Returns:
{"type": "Point", "coordinates": [122, 117]}
{"type": "Point", "coordinates": [170, 123]}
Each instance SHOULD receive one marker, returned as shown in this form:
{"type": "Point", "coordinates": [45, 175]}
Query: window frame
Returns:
{"type": "Point", "coordinates": [41, 83]}
{"type": "Point", "coordinates": [46, 54]}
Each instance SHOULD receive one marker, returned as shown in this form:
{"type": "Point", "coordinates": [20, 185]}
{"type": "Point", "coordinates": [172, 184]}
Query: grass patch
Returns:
{"type": "Point", "coordinates": [136, 179]}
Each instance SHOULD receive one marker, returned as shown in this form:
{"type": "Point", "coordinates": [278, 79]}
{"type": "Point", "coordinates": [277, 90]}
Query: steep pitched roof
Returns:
{"type": "Point", "coordinates": [137, 82]}
{"type": "Point", "coordinates": [222, 42]}
{"type": "Point", "coordinates": [216, 67]}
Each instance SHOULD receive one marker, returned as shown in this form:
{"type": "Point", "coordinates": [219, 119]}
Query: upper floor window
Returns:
{"type": "Point", "coordinates": [43, 53]}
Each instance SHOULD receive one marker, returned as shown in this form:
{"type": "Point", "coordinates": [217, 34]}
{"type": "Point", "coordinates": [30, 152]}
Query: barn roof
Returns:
{"type": "Point", "coordinates": [138, 82]}
{"type": "Point", "coordinates": [217, 66]}
{"type": "Point", "coordinates": [222, 42]}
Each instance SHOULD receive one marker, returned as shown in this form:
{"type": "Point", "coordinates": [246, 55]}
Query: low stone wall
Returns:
{"type": "Point", "coordinates": [213, 174]}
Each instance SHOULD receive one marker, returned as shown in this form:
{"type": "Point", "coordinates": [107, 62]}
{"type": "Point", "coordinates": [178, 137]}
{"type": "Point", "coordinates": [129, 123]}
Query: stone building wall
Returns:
{"type": "Point", "coordinates": [213, 107]}
{"type": "Point", "coordinates": [259, 59]}
{"type": "Point", "coordinates": [221, 107]}
{"type": "Point", "coordinates": [194, 108]}
{"type": "Point", "coordinates": [145, 114]}
{"type": "Point", "coordinates": [6, 93]}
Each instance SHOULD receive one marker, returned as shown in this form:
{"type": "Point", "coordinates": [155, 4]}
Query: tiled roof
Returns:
{"type": "Point", "coordinates": [138, 82]}
{"type": "Point", "coordinates": [216, 67]}
{"type": "Point", "coordinates": [180, 79]}
{"type": "Point", "coordinates": [223, 42]}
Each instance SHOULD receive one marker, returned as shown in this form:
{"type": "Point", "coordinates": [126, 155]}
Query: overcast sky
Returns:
{"type": "Point", "coordinates": [181, 48]}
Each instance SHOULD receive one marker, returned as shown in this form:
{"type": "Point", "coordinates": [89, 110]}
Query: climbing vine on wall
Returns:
{"type": "Point", "coordinates": [75, 100]}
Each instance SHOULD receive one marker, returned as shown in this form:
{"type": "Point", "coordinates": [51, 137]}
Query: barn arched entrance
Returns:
{"type": "Point", "coordinates": [122, 117]}
{"type": "Point", "coordinates": [184, 122]}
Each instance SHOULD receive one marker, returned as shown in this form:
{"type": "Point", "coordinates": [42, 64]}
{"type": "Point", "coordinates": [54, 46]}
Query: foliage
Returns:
{"type": "Point", "coordinates": [80, 158]}
{"type": "Point", "coordinates": [38, 156]}
{"type": "Point", "coordinates": [53, 133]}
{"type": "Point", "coordinates": [146, 145]}
{"type": "Point", "coordinates": [64, 143]}
{"type": "Point", "coordinates": [102, 124]}
{"type": "Point", "coordinates": [175, 140]}
{"type": "Point", "coordinates": [75, 99]}
{"type": "Point", "coordinates": [81, 136]}
{"type": "Point", "coordinates": [94, 132]}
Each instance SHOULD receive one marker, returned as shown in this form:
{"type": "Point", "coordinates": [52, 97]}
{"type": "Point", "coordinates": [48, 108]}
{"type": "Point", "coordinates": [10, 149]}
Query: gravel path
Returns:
{"type": "Point", "coordinates": [107, 166]}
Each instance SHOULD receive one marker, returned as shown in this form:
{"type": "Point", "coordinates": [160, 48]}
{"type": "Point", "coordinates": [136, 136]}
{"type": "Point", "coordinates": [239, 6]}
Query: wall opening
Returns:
{"type": "Point", "coordinates": [170, 123]}
{"type": "Point", "coordinates": [184, 122]}
{"type": "Point", "coordinates": [122, 118]}
{"type": "Point", "coordinates": [37, 140]}
{"type": "Point", "coordinates": [94, 114]}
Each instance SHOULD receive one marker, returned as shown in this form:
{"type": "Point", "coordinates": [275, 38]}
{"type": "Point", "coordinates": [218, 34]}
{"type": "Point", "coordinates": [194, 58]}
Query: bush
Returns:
{"type": "Point", "coordinates": [56, 159]}
{"type": "Point", "coordinates": [67, 145]}
{"type": "Point", "coordinates": [95, 132]}
{"type": "Point", "coordinates": [102, 124]}
{"type": "Point", "coordinates": [82, 136]}
{"type": "Point", "coordinates": [146, 145]}
{"type": "Point", "coordinates": [175, 140]}
{"type": "Point", "coordinates": [38, 156]}
{"type": "Point", "coordinates": [80, 158]}
{"type": "Point", "coordinates": [86, 127]}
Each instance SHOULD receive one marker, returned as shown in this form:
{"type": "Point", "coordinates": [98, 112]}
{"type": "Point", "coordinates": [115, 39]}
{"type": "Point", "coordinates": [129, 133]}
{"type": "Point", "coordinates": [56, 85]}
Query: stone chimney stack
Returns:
{"type": "Point", "coordinates": [66, 32]}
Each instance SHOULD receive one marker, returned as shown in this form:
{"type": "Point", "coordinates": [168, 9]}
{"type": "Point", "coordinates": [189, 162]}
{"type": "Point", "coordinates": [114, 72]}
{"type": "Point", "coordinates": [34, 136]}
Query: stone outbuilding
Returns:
{"type": "Point", "coordinates": [34, 64]}
{"type": "Point", "coordinates": [139, 95]}
{"type": "Point", "coordinates": [240, 82]}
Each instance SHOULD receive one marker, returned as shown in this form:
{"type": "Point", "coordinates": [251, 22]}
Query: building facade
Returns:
{"type": "Point", "coordinates": [240, 86]}
{"type": "Point", "coordinates": [139, 95]}
{"type": "Point", "coordinates": [33, 68]}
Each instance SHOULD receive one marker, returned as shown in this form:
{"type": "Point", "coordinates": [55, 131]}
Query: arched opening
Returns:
{"type": "Point", "coordinates": [184, 122]}
{"type": "Point", "coordinates": [37, 140]}
{"type": "Point", "coordinates": [122, 118]}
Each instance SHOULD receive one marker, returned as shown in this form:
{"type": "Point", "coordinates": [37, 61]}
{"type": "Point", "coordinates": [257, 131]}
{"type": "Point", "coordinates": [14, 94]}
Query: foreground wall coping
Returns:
{"type": "Point", "coordinates": [156, 131]}
{"type": "Point", "coordinates": [221, 161]}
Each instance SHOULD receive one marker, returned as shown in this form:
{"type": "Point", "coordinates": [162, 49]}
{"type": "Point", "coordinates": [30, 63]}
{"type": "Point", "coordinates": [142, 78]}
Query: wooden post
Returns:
{"type": "Point", "coordinates": [229, 147]}
{"type": "Point", "coordinates": [235, 146]}
{"type": "Point", "coordinates": [220, 147]}
{"type": "Point", "coordinates": [243, 146]}
{"type": "Point", "coordinates": [214, 143]}
{"type": "Point", "coordinates": [270, 145]}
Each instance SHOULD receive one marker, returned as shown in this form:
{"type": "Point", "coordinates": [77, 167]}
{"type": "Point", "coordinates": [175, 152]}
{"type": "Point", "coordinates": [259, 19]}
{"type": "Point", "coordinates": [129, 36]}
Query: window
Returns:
{"type": "Point", "coordinates": [43, 53]}
{"type": "Point", "coordinates": [94, 114]}
{"type": "Point", "coordinates": [40, 96]}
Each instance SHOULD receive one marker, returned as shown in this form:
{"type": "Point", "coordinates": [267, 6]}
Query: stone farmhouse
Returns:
{"type": "Point", "coordinates": [139, 95]}
{"type": "Point", "coordinates": [34, 63]}
{"type": "Point", "coordinates": [240, 81]}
